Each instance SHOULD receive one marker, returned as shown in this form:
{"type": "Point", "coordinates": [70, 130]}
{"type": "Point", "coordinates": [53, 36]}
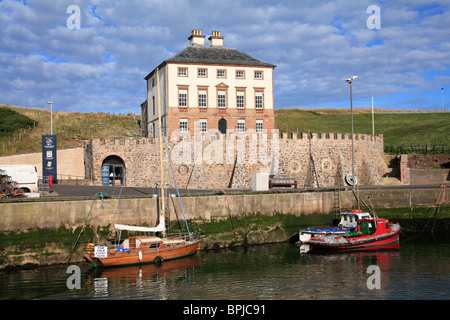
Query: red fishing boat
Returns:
{"type": "Point", "coordinates": [371, 233]}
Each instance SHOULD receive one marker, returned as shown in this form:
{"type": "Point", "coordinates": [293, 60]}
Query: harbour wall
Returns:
{"type": "Point", "coordinates": [71, 214]}
{"type": "Point", "coordinates": [48, 232]}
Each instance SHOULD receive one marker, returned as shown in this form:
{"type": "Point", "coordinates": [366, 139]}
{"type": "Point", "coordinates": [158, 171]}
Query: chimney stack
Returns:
{"type": "Point", "coordinates": [216, 40]}
{"type": "Point", "coordinates": [196, 38]}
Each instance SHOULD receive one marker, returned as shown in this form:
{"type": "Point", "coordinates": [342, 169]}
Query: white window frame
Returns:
{"type": "Point", "coordinates": [240, 99]}
{"type": "Point", "coordinates": [183, 125]}
{"type": "Point", "coordinates": [202, 73]}
{"type": "Point", "coordinates": [224, 73]}
{"type": "Point", "coordinates": [182, 98]}
{"type": "Point", "coordinates": [259, 75]}
{"type": "Point", "coordinates": [182, 72]}
{"type": "Point", "coordinates": [240, 74]}
{"type": "Point", "coordinates": [221, 102]}
{"type": "Point", "coordinates": [202, 98]}
{"type": "Point", "coordinates": [203, 125]}
{"type": "Point", "coordinates": [259, 100]}
{"type": "Point", "coordinates": [241, 125]}
{"type": "Point", "coordinates": [259, 126]}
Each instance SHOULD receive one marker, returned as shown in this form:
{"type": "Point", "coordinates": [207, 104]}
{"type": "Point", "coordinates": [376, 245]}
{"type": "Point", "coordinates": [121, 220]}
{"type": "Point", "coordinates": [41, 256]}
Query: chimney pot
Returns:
{"type": "Point", "coordinates": [196, 38]}
{"type": "Point", "coordinates": [216, 40]}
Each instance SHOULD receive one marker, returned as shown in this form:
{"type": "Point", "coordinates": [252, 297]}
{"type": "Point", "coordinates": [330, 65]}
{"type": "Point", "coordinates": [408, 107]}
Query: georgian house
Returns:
{"type": "Point", "coordinates": [209, 87]}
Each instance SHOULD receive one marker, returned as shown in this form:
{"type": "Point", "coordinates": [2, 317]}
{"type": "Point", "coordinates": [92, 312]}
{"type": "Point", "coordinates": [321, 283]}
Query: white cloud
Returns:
{"type": "Point", "coordinates": [315, 45]}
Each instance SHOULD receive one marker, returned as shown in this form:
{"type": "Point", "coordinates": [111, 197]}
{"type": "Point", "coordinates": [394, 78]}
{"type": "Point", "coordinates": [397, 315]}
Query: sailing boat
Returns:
{"type": "Point", "coordinates": [145, 249]}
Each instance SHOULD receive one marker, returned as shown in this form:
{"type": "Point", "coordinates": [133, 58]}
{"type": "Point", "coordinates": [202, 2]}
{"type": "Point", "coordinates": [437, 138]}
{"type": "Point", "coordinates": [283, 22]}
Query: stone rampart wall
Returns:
{"type": "Point", "coordinates": [219, 161]}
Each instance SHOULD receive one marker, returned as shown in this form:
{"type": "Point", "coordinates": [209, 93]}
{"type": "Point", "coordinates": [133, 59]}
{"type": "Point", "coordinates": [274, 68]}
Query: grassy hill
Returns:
{"type": "Point", "coordinates": [399, 128]}
{"type": "Point", "coordinates": [72, 128]}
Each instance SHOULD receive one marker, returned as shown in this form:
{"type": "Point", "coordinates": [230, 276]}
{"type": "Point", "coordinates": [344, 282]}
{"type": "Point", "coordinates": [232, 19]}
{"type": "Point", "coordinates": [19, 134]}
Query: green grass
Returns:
{"type": "Point", "coordinates": [398, 129]}
{"type": "Point", "coordinates": [71, 129]}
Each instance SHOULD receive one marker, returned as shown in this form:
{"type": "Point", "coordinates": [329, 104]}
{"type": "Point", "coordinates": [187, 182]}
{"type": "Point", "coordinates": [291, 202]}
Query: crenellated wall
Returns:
{"type": "Point", "coordinates": [219, 161]}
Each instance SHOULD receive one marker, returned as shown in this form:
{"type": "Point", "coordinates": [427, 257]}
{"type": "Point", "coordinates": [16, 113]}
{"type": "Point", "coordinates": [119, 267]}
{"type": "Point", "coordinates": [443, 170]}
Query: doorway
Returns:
{"type": "Point", "coordinates": [222, 126]}
{"type": "Point", "coordinates": [113, 171]}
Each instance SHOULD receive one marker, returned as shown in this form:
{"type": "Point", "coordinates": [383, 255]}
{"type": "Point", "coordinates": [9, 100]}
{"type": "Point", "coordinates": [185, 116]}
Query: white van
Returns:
{"type": "Point", "coordinates": [25, 175]}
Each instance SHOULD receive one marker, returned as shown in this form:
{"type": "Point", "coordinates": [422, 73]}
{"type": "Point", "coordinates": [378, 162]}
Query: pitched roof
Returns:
{"type": "Point", "coordinates": [216, 55]}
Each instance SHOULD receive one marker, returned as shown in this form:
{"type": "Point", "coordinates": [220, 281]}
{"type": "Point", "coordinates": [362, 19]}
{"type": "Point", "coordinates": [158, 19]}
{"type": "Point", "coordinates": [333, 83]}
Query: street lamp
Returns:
{"type": "Point", "coordinates": [350, 80]}
{"type": "Point", "coordinates": [51, 116]}
{"type": "Point", "coordinates": [442, 97]}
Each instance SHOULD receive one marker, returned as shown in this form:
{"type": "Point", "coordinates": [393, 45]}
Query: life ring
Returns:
{"type": "Point", "coordinates": [158, 261]}
{"type": "Point", "coordinates": [349, 180]}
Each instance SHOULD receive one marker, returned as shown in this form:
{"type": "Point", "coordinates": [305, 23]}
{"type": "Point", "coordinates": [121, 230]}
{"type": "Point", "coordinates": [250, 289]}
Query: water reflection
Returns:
{"type": "Point", "coordinates": [139, 281]}
{"type": "Point", "coordinates": [266, 272]}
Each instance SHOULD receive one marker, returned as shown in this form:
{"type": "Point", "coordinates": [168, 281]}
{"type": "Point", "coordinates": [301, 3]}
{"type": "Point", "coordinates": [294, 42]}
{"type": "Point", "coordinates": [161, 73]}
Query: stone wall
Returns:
{"type": "Point", "coordinates": [219, 161]}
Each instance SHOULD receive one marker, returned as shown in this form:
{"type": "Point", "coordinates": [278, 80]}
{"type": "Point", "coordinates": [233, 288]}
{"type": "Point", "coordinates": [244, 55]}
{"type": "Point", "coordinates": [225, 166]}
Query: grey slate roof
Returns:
{"type": "Point", "coordinates": [216, 55]}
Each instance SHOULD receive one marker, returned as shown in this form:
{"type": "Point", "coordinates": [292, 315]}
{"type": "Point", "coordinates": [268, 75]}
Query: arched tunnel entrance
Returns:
{"type": "Point", "coordinates": [113, 171]}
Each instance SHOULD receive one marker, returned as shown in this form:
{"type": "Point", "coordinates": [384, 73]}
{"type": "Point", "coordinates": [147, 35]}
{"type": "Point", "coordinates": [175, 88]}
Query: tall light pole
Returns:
{"type": "Point", "coordinates": [350, 80]}
{"type": "Point", "coordinates": [51, 116]}
{"type": "Point", "coordinates": [442, 97]}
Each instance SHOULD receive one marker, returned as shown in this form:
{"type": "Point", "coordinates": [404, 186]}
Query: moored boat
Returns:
{"type": "Point", "coordinates": [348, 223]}
{"type": "Point", "coordinates": [146, 249]}
{"type": "Point", "coordinates": [371, 233]}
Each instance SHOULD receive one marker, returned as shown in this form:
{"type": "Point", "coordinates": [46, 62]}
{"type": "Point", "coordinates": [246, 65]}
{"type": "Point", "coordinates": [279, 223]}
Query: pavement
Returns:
{"type": "Point", "coordinates": [69, 191]}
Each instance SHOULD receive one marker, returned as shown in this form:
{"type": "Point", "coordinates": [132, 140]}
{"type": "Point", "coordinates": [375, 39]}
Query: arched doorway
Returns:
{"type": "Point", "coordinates": [222, 125]}
{"type": "Point", "coordinates": [113, 171]}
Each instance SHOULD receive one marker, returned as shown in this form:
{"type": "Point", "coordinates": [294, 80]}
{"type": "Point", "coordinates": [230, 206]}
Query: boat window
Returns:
{"type": "Point", "coordinates": [154, 245]}
{"type": "Point", "coordinates": [386, 225]}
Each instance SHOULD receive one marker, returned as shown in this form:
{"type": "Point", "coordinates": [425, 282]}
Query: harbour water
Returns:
{"type": "Point", "coordinates": [418, 270]}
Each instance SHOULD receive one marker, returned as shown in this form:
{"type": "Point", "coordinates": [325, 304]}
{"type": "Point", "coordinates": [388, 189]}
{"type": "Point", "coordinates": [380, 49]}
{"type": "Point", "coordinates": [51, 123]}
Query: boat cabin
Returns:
{"type": "Point", "coordinates": [370, 226]}
{"type": "Point", "coordinates": [141, 241]}
{"type": "Point", "coordinates": [350, 219]}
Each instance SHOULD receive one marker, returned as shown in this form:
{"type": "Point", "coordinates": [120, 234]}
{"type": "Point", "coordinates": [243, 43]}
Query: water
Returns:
{"type": "Point", "coordinates": [275, 272]}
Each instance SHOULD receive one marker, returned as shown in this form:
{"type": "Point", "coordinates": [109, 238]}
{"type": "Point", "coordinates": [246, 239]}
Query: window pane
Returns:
{"type": "Point", "coordinates": [259, 126]}
{"type": "Point", "coordinates": [222, 99]}
{"type": "Point", "coordinates": [240, 99]}
{"type": "Point", "coordinates": [202, 98]}
{"type": "Point", "coordinates": [183, 125]}
{"type": "Point", "coordinates": [241, 125]}
{"type": "Point", "coordinates": [258, 100]}
{"type": "Point", "coordinates": [182, 98]}
{"type": "Point", "coordinates": [203, 125]}
{"type": "Point", "coordinates": [182, 72]}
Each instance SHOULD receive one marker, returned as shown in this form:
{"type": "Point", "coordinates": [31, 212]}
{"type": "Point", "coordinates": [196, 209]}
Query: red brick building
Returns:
{"type": "Point", "coordinates": [209, 88]}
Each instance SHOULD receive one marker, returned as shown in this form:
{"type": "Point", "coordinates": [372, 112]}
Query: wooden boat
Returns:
{"type": "Point", "coordinates": [371, 233]}
{"type": "Point", "coordinates": [145, 249]}
{"type": "Point", "coordinates": [348, 223]}
{"type": "Point", "coordinates": [141, 249]}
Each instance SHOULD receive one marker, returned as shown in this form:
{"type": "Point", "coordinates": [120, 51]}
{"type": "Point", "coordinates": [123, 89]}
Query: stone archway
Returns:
{"type": "Point", "coordinates": [113, 171]}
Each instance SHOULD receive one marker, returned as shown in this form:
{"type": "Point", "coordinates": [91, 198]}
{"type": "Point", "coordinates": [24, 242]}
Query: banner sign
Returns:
{"type": "Point", "coordinates": [49, 157]}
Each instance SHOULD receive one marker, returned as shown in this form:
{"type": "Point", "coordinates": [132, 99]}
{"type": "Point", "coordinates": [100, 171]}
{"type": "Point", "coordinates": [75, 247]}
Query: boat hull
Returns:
{"type": "Point", "coordinates": [142, 257]}
{"type": "Point", "coordinates": [358, 244]}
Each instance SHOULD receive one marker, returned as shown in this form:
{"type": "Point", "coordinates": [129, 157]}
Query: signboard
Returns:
{"type": "Point", "coordinates": [105, 175]}
{"type": "Point", "coordinates": [49, 157]}
{"type": "Point", "coordinates": [100, 251]}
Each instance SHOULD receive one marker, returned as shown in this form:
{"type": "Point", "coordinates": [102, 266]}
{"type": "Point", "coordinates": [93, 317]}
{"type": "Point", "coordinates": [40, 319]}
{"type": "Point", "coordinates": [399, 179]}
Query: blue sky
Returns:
{"type": "Point", "coordinates": [314, 44]}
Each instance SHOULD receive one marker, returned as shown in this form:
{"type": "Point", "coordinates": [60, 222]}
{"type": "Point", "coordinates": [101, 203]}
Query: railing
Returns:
{"type": "Point", "coordinates": [419, 149]}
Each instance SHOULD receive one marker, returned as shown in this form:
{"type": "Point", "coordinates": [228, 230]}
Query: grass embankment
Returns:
{"type": "Point", "coordinates": [71, 129]}
{"type": "Point", "coordinates": [404, 128]}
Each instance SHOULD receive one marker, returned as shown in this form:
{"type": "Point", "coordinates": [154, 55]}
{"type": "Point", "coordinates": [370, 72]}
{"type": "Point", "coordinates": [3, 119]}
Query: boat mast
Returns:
{"type": "Point", "coordinates": [160, 148]}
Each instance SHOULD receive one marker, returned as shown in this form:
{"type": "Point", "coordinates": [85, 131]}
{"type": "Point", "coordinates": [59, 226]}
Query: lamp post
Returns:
{"type": "Point", "coordinates": [442, 97]}
{"type": "Point", "coordinates": [350, 80]}
{"type": "Point", "coordinates": [51, 116]}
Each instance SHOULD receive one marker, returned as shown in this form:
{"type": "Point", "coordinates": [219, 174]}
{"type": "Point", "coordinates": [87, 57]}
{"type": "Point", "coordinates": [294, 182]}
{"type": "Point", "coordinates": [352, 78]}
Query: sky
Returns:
{"type": "Point", "coordinates": [96, 61]}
